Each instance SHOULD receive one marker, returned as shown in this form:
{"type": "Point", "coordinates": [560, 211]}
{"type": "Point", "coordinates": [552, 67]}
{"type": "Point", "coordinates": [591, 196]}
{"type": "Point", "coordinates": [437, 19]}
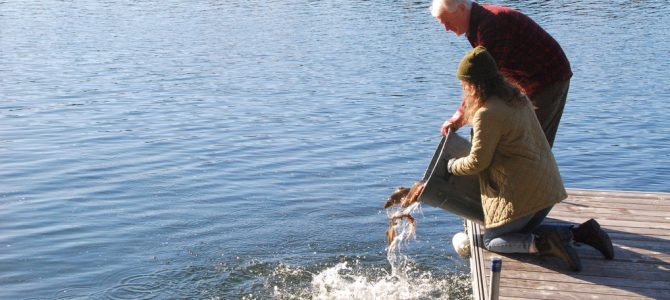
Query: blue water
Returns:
{"type": "Point", "coordinates": [243, 149]}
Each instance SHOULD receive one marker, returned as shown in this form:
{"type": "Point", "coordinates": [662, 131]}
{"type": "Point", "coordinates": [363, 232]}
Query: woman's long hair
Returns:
{"type": "Point", "coordinates": [476, 94]}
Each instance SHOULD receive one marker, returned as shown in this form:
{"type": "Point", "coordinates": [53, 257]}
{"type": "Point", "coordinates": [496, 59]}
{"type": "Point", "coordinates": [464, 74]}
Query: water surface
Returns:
{"type": "Point", "coordinates": [243, 149]}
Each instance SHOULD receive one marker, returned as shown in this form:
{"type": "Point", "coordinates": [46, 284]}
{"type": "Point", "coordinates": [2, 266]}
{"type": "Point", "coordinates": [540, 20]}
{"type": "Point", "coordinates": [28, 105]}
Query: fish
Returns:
{"type": "Point", "coordinates": [396, 197]}
{"type": "Point", "coordinates": [414, 194]}
{"type": "Point", "coordinates": [405, 196]}
{"type": "Point", "coordinates": [391, 232]}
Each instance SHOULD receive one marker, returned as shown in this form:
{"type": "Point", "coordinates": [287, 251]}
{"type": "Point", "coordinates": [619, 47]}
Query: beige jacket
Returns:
{"type": "Point", "coordinates": [518, 174]}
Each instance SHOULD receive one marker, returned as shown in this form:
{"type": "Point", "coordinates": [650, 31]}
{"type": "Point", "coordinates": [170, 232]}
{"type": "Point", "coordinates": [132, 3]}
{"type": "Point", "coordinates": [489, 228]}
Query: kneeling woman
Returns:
{"type": "Point", "coordinates": [518, 175]}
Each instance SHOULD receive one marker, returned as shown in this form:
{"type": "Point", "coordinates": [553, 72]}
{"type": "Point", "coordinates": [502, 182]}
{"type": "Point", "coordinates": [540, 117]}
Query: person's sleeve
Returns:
{"type": "Point", "coordinates": [457, 118]}
{"type": "Point", "coordinates": [486, 135]}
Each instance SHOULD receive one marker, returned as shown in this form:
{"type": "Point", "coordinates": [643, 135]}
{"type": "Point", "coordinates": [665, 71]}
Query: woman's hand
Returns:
{"type": "Point", "coordinates": [452, 123]}
{"type": "Point", "coordinates": [450, 163]}
{"type": "Point", "coordinates": [448, 125]}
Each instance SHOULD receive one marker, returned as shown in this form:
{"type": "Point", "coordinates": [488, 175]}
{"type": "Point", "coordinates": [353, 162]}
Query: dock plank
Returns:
{"type": "Point", "coordinates": [565, 287]}
{"type": "Point", "coordinates": [638, 224]}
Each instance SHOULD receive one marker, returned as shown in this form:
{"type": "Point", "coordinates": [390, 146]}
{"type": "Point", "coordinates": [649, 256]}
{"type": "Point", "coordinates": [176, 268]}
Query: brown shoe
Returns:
{"type": "Point", "coordinates": [591, 234]}
{"type": "Point", "coordinates": [550, 243]}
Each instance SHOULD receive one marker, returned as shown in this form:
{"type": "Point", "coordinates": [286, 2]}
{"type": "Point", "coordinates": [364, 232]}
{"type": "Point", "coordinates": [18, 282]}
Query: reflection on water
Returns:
{"type": "Point", "coordinates": [244, 150]}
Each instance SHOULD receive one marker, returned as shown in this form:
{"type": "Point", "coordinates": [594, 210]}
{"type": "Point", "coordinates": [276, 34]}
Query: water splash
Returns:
{"type": "Point", "coordinates": [356, 279]}
{"type": "Point", "coordinates": [404, 228]}
{"type": "Point", "coordinates": [342, 282]}
{"type": "Point", "coordinates": [353, 280]}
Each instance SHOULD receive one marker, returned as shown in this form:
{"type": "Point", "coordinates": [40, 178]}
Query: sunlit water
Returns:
{"type": "Point", "coordinates": [244, 149]}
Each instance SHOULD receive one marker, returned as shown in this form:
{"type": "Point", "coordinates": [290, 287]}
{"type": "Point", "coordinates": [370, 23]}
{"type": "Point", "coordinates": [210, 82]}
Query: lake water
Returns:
{"type": "Point", "coordinates": [243, 149]}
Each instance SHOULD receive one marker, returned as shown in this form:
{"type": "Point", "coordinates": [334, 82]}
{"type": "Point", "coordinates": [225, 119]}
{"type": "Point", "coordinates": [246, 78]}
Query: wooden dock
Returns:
{"type": "Point", "coordinates": [638, 224]}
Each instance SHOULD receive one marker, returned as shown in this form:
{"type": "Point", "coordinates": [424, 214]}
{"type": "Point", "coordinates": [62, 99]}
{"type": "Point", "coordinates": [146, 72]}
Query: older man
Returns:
{"type": "Point", "coordinates": [525, 54]}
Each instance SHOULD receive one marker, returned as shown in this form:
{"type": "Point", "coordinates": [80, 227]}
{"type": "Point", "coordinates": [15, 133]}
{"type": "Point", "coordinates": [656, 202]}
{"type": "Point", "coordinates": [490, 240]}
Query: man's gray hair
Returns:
{"type": "Point", "coordinates": [439, 6]}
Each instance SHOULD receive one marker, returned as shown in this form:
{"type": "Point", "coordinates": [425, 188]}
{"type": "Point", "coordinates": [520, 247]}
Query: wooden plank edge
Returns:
{"type": "Point", "coordinates": [477, 264]}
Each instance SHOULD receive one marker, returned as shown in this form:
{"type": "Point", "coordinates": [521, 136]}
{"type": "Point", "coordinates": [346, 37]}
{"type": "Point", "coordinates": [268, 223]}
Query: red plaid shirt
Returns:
{"type": "Point", "coordinates": [525, 53]}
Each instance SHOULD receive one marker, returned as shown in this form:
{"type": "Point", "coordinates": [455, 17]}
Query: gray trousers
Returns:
{"type": "Point", "coordinates": [518, 235]}
{"type": "Point", "coordinates": [549, 102]}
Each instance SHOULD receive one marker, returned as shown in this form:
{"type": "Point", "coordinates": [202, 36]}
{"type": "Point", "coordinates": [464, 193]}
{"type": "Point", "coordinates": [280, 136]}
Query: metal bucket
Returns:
{"type": "Point", "coordinates": [457, 194]}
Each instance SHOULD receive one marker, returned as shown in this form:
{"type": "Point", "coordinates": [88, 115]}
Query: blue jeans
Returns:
{"type": "Point", "coordinates": [517, 236]}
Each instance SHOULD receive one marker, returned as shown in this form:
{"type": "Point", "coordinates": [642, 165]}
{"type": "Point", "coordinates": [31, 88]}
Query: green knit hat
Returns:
{"type": "Point", "coordinates": [477, 65]}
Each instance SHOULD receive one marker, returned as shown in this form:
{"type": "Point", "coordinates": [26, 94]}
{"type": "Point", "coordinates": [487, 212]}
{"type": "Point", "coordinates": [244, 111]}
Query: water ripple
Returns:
{"type": "Point", "coordinates": [244, 149]}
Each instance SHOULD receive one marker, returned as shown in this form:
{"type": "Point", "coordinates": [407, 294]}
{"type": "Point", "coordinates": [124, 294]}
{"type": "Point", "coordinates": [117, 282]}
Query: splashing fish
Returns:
{"type": "Point", "coordinates": [391, 232]}
{"type": "Point", "coordinates": [406, 198]}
